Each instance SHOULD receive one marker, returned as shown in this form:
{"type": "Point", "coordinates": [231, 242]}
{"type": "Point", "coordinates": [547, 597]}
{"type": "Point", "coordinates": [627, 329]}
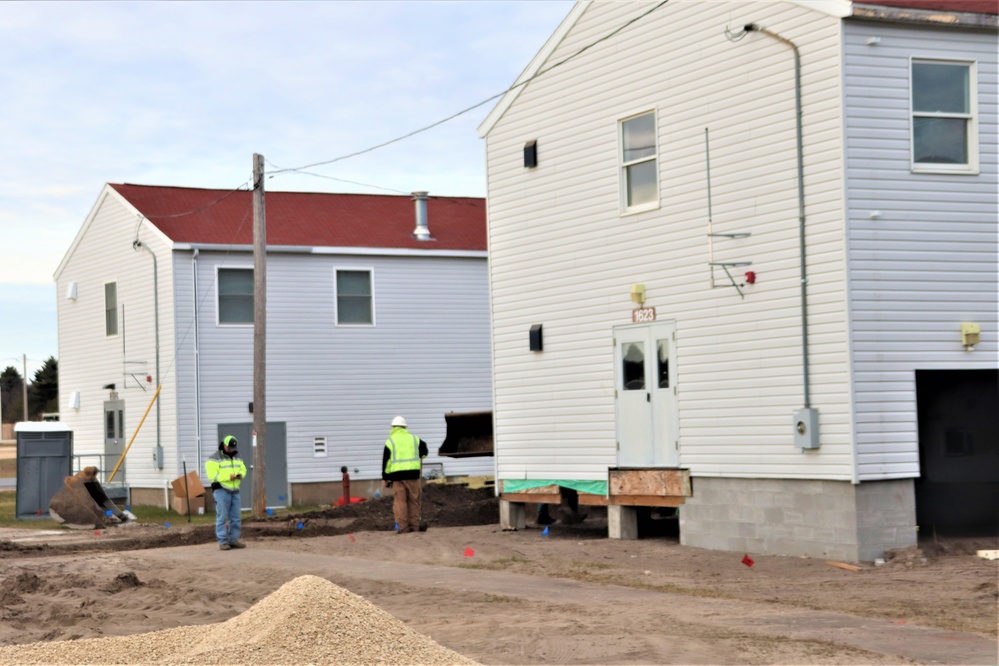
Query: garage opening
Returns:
{"type": "Point", "coordinates": [957, 493]}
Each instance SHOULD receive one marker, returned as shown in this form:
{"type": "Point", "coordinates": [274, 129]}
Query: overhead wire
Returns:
{"type": "Point", "coordinates": [478, 104]}
{"type": "Point", "coordinates": [303, 169]}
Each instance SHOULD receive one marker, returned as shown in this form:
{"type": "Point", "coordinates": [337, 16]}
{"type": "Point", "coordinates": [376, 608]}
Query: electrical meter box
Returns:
{"type": "Point", "coordinates": [806, 428]}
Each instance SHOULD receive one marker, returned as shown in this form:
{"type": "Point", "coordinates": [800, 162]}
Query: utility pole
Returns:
{"type": "Point", "coordinates": [259, 340]}
{"type": "Point", "coordinates": [24, 385]}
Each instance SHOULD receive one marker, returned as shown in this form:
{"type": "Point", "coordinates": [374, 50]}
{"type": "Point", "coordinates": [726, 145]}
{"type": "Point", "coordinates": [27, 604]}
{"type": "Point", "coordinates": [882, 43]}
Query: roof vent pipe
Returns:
{"type": "Point", "coordinates": [422, 231]}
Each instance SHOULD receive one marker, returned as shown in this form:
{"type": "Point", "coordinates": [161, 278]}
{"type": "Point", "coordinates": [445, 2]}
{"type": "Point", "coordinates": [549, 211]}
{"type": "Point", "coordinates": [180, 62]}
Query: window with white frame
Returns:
{"type": "Point", "coordinates": [235, 295]}
{"type": "Point", "coordinates": [354, 301]}
{"type": "Point", "coordinates": [944, 136]}
{"type": "Point", "coordinates": [110, 309]}
{"type": "Point", "coordinates": [639, 166]}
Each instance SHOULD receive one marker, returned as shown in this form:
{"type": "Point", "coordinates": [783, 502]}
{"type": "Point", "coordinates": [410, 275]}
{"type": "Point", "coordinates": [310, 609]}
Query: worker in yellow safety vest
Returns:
{"type": "Point", "coordinates": [225, 469]}
{"type": "Point", "coordinates": [401, 470]}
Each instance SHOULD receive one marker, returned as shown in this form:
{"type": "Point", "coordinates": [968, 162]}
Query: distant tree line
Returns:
{"type": "Point", "coordinates": [43, 392]}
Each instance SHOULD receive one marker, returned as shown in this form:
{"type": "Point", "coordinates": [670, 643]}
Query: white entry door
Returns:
{"type": "Point", "coordinates": [645, 395]}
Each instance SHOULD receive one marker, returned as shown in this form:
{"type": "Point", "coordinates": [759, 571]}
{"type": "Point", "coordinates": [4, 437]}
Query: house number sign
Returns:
{"type": "Point", "coordinates": [643, 315]}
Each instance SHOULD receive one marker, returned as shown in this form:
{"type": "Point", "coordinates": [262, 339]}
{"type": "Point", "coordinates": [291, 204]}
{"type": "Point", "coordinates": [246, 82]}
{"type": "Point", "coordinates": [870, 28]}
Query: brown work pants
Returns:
{"type": "Point", "coordinates": [406, 504]}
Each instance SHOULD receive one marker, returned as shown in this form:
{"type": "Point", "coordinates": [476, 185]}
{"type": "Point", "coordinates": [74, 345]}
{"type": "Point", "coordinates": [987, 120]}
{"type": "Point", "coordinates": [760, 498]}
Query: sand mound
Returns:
{"type": "Point", "coordinates": [308, 620]}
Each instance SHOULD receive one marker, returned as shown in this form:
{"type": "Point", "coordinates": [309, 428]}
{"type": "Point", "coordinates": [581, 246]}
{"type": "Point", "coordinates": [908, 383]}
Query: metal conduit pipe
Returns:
{"type": "Point", "coordinates": [137, 245]}
{"type": "Point", "coordinates": [753, 27]}
{"type": "Point", "coordinates": [197, 358]}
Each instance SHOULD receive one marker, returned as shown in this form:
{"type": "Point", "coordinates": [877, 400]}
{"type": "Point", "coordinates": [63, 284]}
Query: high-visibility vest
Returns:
{"type": "Point", "coordinates": [219, 467]}
{"type": "Point", "coordinates": [404, 451]}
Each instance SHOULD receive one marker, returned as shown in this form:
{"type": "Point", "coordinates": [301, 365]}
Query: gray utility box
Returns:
{"type": "Point", "coordinates": [44, 460]}
{"type": "Point", "coordinates": [806, 428]}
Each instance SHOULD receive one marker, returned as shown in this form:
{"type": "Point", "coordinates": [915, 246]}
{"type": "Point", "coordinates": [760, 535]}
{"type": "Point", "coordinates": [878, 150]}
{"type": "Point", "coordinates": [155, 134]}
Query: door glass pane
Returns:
{"type": "Point", "coordinates": [662, 366]}
{"type": "Point", "coordinates": [633, 366]}
{"type": "Point", "coordinates": [109, 425]}
{"type": "Point", "coordinates": [121, 423]}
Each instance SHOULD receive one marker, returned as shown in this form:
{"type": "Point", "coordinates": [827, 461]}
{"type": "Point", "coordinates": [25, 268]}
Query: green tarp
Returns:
{"type": "Point", "coordinates": [520, 485]}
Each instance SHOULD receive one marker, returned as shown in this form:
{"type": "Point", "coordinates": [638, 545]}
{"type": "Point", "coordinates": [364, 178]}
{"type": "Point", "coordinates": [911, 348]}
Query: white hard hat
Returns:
{"type": "Point", "coordinates": [399, 421]}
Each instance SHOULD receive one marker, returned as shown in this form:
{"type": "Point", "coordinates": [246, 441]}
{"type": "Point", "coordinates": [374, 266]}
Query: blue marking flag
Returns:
{"type": "Point", "coordinates": [270, 512]}
{"type": "Point", "coordinates": [167, 525]}
{"type": "Point", "coordinates": [300, 526]}
{"type": "Point", "coordinates": [545, 533]}
{"type": "Point", "coordinates": [281, 497]}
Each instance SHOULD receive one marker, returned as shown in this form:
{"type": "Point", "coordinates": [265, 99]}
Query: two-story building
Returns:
{"type": "Point", "coordinates": [743, 262]}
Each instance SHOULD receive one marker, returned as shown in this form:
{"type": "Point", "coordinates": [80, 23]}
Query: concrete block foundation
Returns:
{"type": "Point", "coordinates": [825, 519]}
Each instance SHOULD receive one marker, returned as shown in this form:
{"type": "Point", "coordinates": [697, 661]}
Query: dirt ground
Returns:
{"type": "Point", "coordinates": [568, 596]}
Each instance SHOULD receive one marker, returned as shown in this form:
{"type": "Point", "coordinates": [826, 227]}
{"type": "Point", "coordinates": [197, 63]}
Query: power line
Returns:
{"type": "Point", "coordinates": [477, 105]}
{"type": "Point", "coordinates": [339, 180]}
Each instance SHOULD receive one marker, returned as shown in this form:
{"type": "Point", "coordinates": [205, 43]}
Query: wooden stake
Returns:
{"type": "Point", "coordinates": [843, 565]}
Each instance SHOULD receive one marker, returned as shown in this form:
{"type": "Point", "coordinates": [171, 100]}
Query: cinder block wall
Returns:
{"type": "Point", "coordinates": [828, 519]}
{"type": "Point", "coordinates": [886, 517]}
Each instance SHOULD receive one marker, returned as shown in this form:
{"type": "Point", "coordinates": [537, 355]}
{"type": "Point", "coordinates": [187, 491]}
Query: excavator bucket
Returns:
{"type": "Point", "coordinates": [82, 503]}
{"type": "Point", "coordinates": [469, 434]}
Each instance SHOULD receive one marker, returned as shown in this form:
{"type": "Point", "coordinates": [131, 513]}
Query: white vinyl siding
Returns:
{"type": "Point", "coordinates": [922, 247]}
{"type": "Point", "coordinates": [556, 260]}
{"type": "Point", "coordinates": [89, 360]}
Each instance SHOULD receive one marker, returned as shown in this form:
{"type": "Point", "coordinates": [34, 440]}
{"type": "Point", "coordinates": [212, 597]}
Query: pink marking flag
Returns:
{"type": "Point", "coordinates": [469, 552]}
{"type": "Point", "coordinates": [351, 537]}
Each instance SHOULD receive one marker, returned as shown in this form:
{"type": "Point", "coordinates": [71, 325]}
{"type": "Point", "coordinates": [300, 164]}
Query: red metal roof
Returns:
{"type": "Point", "coordinates": [191, 215]}
{"type": "Point", "coordinates": [972, 6]}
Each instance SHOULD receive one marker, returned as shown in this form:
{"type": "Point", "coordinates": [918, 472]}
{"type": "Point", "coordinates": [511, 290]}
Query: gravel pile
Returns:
{"type": "Point", "coordinates": [308, 620]}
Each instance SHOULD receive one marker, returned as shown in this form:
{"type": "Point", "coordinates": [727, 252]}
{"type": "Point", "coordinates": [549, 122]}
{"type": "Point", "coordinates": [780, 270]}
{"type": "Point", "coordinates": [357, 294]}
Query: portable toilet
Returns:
{"type": "Point", "coordinates": [44, 460]}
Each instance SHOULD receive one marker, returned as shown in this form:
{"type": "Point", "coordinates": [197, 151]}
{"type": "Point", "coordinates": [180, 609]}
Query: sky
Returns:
{"type": "Point", "coordinates": [183, 93]}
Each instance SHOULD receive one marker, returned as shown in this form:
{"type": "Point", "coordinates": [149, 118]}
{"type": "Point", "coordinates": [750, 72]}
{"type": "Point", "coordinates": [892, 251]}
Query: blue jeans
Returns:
{"type": "Point", "coordinates": [227, 510]}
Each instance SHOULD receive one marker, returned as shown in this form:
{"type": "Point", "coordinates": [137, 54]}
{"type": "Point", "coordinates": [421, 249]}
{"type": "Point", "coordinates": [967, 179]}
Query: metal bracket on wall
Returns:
{"type": "Point", "coordinates": [726, 265]}
{"type": "Point", "coordinates": [712, 235]}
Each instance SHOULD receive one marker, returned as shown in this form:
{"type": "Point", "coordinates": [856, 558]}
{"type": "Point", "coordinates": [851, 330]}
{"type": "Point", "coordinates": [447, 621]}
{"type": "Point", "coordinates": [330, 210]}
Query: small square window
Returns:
{"type": "Point", "coordinates": [354, 300]}
{"type": "Point", "coordinates": [235, 293]}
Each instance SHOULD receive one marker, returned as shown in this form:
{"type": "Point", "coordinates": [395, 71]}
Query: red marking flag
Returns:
{"type": "Point", "coordinates": [469, 552]}
{"type": "Point", "coordinates": [748, 561]}
{"type": "Point", "coordinates": [351, 537]}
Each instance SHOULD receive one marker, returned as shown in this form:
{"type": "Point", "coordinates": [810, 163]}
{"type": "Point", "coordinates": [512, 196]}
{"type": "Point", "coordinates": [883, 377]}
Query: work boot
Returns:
{"type": "Point", "coordinates": [224, 546]}
{"type": "Point", "coordinates": [237, 544]}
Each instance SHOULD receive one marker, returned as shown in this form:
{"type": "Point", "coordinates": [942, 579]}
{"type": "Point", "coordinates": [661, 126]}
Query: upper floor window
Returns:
{"type": "Point", "coordinates": [639, 170]}
{"type": "Point", "coordinates": [235, 293]}
{"type": "Point", "coordinates": [354, 300]}
{"type": "Point", "coordinates": [944, 137]}
{"type": "Point", "coordinates": [110, 308]}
